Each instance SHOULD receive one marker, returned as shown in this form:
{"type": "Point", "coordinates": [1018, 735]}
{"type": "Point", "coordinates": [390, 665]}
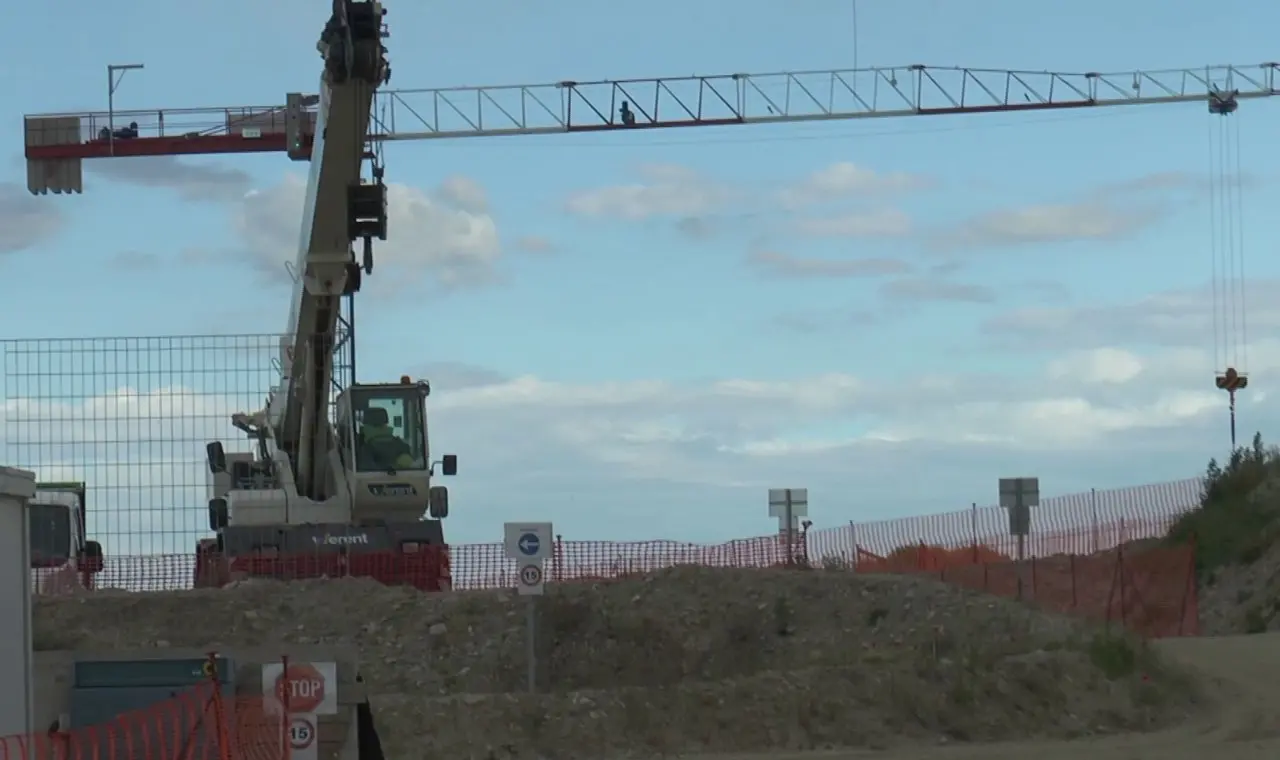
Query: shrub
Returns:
{"type": "Point", "coordinates": [1116, 656]}
{"type": "Point", "coordinates": [1235, 521]}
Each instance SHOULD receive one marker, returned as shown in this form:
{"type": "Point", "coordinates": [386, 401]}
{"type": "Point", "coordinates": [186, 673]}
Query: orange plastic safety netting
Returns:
{"type": "Point", "coordinates": [198, 724]}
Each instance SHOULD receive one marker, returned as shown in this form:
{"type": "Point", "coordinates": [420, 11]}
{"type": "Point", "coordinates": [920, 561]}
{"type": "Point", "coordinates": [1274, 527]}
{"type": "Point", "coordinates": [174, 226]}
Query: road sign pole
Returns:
{"type": "Point", "coordinates": [1022, 544]}
{"type": "Point", "coordinates": [531, 642]}
{"type": "Point", "coordinates": [787, 505]}
{"type": "Point", "coordinates": [790, 537]}
{"type": "Point", "coordinates": [1018, 496]}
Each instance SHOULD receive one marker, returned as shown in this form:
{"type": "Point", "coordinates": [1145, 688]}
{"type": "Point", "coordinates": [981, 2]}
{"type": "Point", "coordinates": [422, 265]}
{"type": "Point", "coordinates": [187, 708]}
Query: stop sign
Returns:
{"type": "Point", "coordinates": [300, 688]}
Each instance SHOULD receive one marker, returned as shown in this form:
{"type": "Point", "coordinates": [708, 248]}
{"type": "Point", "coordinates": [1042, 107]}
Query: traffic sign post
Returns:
{"type": "Point", "coordinates": [529, 545]}
{"type": "Point", "coordinates": [303, 737]}
{"type": "Point", "coordinates": [789, 505]}
{"type": "Point", "coordinates": [1019, 495]}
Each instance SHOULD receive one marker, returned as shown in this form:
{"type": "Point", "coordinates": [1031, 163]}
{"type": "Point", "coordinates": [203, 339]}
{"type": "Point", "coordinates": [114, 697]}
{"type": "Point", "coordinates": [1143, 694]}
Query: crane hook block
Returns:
{"type": "Point", "coordinates": [1223, 102]}
{"type": "Point", "coordinates": [1231, 380]}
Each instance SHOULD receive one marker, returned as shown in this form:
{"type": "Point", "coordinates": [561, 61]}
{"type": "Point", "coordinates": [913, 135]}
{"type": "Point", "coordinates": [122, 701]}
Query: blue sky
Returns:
{"type": "Point", "coordinates": [635, 380]}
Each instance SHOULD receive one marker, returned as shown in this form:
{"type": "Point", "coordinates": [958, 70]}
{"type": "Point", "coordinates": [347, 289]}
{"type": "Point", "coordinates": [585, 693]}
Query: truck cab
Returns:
{"type": "Point", "coordinates": [62, 557]}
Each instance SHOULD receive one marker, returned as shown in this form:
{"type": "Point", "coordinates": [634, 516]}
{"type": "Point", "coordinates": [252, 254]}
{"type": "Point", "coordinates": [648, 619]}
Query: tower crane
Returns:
{"type": "Point", "coordinates": [325, 485]}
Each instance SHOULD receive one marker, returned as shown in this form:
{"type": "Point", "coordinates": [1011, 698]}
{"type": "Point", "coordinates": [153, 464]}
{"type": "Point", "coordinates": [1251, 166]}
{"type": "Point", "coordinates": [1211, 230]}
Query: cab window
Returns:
{"type": "Point", "coordinates": [50, 534]}
{"type": "Point", "coordinates": [389, 430]}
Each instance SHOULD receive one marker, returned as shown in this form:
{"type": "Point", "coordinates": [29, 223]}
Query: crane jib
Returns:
{"type": "Point", "coordinates": [654, 103]}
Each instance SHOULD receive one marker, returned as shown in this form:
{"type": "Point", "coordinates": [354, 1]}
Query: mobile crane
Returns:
{"type": "Point", "coordinates": [352, 495]}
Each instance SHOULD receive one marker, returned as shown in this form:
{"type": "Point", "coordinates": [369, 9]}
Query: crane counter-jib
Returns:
{"type": "Point", "coordinates": [655, 103]}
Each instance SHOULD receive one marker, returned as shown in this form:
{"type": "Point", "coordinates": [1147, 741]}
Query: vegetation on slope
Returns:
{"type": "Point", "coordinates": [1239, 514]}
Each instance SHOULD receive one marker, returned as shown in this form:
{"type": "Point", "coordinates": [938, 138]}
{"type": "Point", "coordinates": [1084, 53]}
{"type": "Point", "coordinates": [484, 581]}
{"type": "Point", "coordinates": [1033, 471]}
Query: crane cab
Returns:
{"type": "Point", "coordinates": [385, 448]}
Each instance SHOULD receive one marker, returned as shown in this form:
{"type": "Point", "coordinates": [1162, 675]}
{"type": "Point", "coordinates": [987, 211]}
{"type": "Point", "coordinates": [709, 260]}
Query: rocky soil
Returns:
{"type": "Point", "coordinates": [684, 660]}
{"type": "Point", "coordinates": [1243, 598]}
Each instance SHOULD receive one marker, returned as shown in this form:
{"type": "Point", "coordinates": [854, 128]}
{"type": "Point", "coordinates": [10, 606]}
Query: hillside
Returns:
{"type": "Point", "coordinates": [1236, 532]}
{"type": "Point", "coordinates": [685, 660]}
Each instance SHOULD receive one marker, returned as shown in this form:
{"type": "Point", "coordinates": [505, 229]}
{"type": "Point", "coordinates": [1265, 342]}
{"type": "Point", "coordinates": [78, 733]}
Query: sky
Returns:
{"type": "Point", "coordinates": [636, 334]}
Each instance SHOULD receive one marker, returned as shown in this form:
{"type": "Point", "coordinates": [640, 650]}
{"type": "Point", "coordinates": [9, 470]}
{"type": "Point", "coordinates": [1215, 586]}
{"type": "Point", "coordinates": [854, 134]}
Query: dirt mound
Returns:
{"type": "Point", "coordinates": [1240, 590]}
{"type": "Point", "coordinates": [1243, 597]}
{"type": "Point", "coordinates": [679, 661]}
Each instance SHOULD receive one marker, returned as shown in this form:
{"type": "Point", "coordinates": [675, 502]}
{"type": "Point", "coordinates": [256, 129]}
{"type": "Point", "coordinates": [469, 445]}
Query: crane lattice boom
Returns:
{"type": "Point", "coordinates": [569, 107]}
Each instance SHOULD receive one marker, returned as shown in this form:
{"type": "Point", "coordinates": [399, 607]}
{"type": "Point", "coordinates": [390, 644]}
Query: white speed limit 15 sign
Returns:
{"type": "Point", "coordinates": [302, 737]}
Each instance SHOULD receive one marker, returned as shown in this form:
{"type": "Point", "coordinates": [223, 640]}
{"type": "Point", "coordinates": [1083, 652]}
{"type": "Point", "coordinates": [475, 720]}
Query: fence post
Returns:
{"type": "Point", "coordinates": [557, 559]}
{"type": "Point", "coordinates": [1075, 602]}
{"type": "Point", "coordinates": [1190, 595]}
{"type": "Point", "coordinates": [1034, 594]}
{"type": "Point", "coordinates": [1124, 612]}
{"type": "Point", "coordinates": [853, 545]}
{"type": "Point", "coordinates": [973, 529]}
{"type": "Point", "coordinates": [1093, 511]}
{"type": "Point", "coordinates": [1111, 596]}
{"type": "Point", "coordinates": [286, 744]}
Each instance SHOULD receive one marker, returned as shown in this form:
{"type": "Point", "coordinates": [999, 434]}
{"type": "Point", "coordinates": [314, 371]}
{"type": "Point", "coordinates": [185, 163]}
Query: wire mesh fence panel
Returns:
{"type": "Point", "coordinates": [130, 417]}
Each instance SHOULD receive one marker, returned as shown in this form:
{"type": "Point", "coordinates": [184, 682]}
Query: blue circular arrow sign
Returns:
{"type": "Point", "coordinates": [529, 544]}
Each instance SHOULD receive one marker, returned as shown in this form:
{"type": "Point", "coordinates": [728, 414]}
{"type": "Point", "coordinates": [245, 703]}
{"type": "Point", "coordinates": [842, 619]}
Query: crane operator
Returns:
{"type": "Point", "coordinates": [379, 447]}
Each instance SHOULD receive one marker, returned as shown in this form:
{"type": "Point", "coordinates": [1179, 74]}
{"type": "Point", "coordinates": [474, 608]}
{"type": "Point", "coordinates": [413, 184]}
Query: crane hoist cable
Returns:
{"type": "Point", "coordinates": [1226, 249]}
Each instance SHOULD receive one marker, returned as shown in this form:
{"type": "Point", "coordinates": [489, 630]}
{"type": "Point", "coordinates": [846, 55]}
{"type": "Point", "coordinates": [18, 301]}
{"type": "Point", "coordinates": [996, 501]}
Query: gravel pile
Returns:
{"type": "Point", "coordinates": [684, 660]}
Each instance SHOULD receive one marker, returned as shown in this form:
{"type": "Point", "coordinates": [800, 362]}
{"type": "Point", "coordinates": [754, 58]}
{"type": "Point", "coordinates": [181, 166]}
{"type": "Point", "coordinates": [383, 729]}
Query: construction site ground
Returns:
{"type": "Point", "coordinates": [1241, 721]}
{"type": "Point", "coordinates": [702, 662]}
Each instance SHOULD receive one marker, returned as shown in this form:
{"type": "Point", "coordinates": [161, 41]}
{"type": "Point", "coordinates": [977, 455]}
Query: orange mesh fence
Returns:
{"type": "Point", "coordinates": [487, 566]}
{"type": "Point", "coordinates": [1150, 591]}
{"type": "Point", "coordinates": [198, 724]}
{"type": "Point", "coordinates": [1075, 524]}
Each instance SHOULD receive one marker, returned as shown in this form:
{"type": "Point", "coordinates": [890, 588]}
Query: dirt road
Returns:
{"type": "Point", "coordinates": [1243, 673]}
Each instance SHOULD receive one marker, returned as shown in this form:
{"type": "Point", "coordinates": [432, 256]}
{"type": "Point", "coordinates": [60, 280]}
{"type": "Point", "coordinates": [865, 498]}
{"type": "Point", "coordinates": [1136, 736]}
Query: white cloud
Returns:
{"type": "Point", "coordinates": [534, 244]}
{"type": "Point", "coordinates": [463, 193]}
{"type": "Point", "coordinates": [643, 458]}
{"type": "Point", "coordinates": [1112, 211]}
{"type": "Point", "coordinates": [26, 221]}
{"type": "Point", "coordinates": [934, 288]}
{"type": "Point", "coordinates": [191, 180]}
{"type": "Point", "coordinates": [844, 179]}
{"type": "Point", "coordinates": [777, 264]}
{"type": "Point", "coordinates": [664, 190]}
{"type": "Point", "coordinates": [435, 237]}
{"type": "Point", "coordinates": [1051, 223]}
{"type": "Point", "coordinates": [883, 222]}
{"type": "Point", "coordinates": [140, 452]}
{"type": "Point", "coordinates": [1100, 365]}
{"type": "Point", "coordinates": [1183, 317]}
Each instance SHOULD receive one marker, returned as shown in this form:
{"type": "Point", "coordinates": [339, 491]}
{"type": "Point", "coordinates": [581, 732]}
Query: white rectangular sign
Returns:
{"type": "Point", "coordinates": [528, 542]}
{"type": "Point", "coordinates": [778, 498]}
{"type": "Point", "coordinates": [309, 687]}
